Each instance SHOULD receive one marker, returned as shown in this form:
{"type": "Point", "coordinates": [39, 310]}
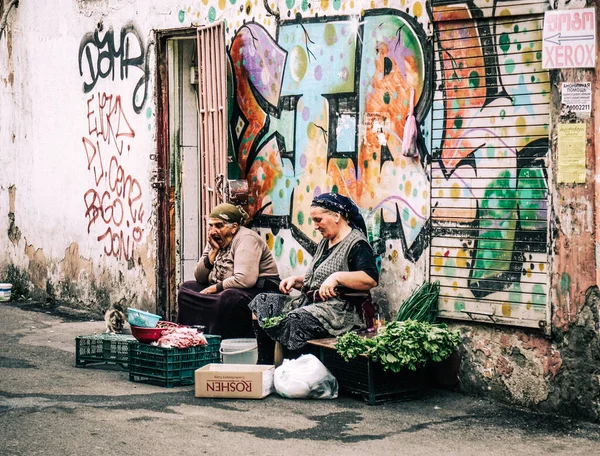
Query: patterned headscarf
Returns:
{"type": "Point", "coordinates": [229, 213]}
{"type": "Point", "coordinates": [341, 205]}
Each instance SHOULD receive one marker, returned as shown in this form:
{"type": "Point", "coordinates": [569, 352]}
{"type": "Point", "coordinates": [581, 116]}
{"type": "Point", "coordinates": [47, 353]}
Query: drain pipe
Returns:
{"type": "Point", "coordinates": [12, 3]}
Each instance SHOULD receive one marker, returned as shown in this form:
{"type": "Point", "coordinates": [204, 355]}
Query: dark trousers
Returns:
{"type": "Point", "coordinates": [225, 313]}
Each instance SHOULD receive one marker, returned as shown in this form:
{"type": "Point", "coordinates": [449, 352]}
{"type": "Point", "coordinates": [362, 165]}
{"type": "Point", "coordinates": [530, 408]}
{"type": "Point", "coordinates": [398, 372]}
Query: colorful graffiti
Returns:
{"type": "Point", "coordinates": [113, 203]}
{"type": "Point", "coordinates": [489, 181]}
{"type": "Point", "coordinates": [322, 108]}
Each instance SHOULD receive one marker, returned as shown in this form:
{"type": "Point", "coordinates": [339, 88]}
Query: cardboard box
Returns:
{"type": "Point", "coordinates": [241, 381]}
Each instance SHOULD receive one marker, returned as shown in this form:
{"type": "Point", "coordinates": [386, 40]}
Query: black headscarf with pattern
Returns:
{"type": "Point", "coordinates": [342, 205]}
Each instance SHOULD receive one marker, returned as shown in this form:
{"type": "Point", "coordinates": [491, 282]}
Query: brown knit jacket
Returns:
{"type": "Point", "coordinates": [248, 259]}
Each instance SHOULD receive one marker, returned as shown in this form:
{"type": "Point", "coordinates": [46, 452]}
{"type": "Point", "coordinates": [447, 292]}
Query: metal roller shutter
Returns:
{"type": "Point", "coordinates": [489, 195]}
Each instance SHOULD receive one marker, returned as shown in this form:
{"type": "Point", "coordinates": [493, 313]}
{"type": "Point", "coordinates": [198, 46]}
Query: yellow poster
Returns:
{"type": "Point", "coordinates": [571, 153]}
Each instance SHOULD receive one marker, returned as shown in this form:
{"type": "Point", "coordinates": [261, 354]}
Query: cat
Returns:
{"type": "Point", "coordinates": [115, 319]}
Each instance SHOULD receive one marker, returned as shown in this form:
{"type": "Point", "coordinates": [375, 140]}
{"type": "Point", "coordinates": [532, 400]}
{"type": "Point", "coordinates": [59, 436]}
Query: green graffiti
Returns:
{"type": "Point", "coordinates": [504, 42]}
{"type": "Point", "coordinates": [293, 258]}
{"type": "Point", "coordinates": [334, 189]}
{"type": "Point", "coordinates": [509, 65]}
{"type": "Point", "coordinates": [498, 221]}
{"type": "Point", "coordinates": [305, 5]}
{"type": "Point", "coordinates": [386, 98]}
{"type": "Point", "coordinates": [532, 193]}
{"type": "Point", "coordinates": [459, 306]}
{"type": "Point", "coordinates": [458, 122]}
{"type": "Point", "coordinates": [405, 214]}
{"type": "Point", "coordinates": [538, 296]}
{"type": "Point", "coordinates": [337, 4]}
{"type": "Point", "coordinates": [278, 246]}
{"type": "Point", "coordinates": [181, 15]}
{"type": "Point", "coordinates": [290, 3]}
{"type": "Point", "coordinates": [565, 283]}
{"type": "Point", "coordinates": [148, 113]}
{"type": "Point", "coordinates": [212, 14]}
{"type": "Point", "coordinates": [474, 79]}
{"type": "Point", "coordinates": [366, 163]}
{"type": "Point", "coordinates": [300, 218]}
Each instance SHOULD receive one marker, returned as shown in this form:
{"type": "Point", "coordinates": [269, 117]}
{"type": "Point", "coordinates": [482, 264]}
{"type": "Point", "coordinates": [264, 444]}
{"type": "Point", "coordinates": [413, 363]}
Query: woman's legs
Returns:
{"type": "Point", "coordinates": [233, 318]}
{"type": "Point", "coordinates": [225, 314]}
{"type": "Point", "coordinates": [194, 308]}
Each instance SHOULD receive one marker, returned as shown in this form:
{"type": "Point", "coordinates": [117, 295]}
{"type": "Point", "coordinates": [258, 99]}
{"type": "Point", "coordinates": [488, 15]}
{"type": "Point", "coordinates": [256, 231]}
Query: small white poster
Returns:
{"type": "Point", "coordinates": [577, 97]}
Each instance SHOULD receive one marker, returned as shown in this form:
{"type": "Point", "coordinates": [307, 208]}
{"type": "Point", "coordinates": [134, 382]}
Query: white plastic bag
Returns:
{"type": "Point", "coordinates": [305, 378]}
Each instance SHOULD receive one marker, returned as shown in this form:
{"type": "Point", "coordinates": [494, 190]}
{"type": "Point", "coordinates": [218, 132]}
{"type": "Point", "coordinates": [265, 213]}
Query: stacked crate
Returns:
{"type": "Point", "coordinates": [171, 366]}
{"type": "Point", "coordinates": [102, 348]}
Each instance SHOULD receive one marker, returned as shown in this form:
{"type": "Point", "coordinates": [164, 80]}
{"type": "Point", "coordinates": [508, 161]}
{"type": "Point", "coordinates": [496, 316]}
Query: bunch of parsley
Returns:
{"type": "Point", "coordinates": [409, 343]}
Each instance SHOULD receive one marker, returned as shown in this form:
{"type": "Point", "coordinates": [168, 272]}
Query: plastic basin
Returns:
{"type": "Point", "coordinates": [141, 318]}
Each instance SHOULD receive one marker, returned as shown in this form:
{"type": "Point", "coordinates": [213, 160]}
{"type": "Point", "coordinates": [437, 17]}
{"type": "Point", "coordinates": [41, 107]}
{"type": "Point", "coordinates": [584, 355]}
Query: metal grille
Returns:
{"type": "Point", "coordinates": [212, 79]}
{"type": "Point", "coordinates": [489, 195]}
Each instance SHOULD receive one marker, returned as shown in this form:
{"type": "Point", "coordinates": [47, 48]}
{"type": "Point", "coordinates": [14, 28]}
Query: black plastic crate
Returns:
{"type": "Point", "coordinates": [171, 366]}
{"type": "Point", "coordinates": [368, 379]}
{"type": "Point", "coordinates": [102, 348]}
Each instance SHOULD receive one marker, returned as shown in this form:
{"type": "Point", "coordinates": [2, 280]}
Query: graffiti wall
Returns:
{"type": "Point", "coordinates": [79, 143]}
{"type": "Point", "coordinates": [489, 178]}
{"type": "Point", "coordinates": [113, 203]}
{"type": "Point", "coordinates": [322, 107]}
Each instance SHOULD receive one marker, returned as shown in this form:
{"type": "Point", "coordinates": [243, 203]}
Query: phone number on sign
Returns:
{"type": "Point", "coordinates": [580, 107]}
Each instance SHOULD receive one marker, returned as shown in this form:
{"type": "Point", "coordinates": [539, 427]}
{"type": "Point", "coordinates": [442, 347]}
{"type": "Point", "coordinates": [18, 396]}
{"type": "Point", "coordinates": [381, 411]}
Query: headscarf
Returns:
{"type": "Point", "coordinates": [229, 213]}
{"type": "Point", "coordinates": [343, 206]}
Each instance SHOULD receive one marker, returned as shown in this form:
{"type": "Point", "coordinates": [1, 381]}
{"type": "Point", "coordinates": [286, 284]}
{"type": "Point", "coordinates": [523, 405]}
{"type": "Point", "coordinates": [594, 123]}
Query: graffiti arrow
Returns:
{"type": "Point", "coordinates": [557, 39]}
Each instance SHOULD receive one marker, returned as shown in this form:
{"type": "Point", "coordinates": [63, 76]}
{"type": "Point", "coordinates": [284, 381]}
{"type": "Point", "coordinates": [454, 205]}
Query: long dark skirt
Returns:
{"type": "Point", "coordinates": [225, 313]}
{"type": "Point", "coordinates": [293, 331]}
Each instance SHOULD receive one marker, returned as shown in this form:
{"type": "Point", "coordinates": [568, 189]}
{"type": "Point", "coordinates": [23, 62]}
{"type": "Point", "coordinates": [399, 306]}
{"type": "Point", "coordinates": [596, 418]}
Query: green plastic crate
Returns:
{"type": "Point", "coordinates": [171, 366]}
{"type": "Point", "coordinates": [102, 348]}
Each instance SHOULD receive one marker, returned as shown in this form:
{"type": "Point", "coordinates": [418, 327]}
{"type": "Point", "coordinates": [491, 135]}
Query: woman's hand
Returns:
{"type": "Point", "coordinates": [327, 289]}
{"type": "Point", "coordinates": [209, 290]}
{"type": "Point", "coordinates": [212, 255]}
{"type": "Point", "coordinates": [286, 285]}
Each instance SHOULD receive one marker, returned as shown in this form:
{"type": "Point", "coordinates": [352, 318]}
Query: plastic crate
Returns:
{"type": "Point", "coordinates": [368, 379]}
{"type": "Point", "coordinates": [102, 348]}
{"type": "Point", "coordinates": [171, 366]}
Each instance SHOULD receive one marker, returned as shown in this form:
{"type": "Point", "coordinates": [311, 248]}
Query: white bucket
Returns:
{"type": "Point", "coordinates": [239, 351]}
{"type": "Point", "coordinates": [5, 290]}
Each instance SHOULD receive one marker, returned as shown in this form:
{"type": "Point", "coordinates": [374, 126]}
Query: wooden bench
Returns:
{"type": "Point", "coordinates": [367, 378]}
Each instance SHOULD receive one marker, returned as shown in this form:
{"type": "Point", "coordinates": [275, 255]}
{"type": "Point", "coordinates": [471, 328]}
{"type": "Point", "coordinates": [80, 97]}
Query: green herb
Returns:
{"type": "Point", "coordinates": [408, 344]}
{"type": "Point", "coordinates": [269, 322]}
{"type": "Point", "coordinates": [422, 305]}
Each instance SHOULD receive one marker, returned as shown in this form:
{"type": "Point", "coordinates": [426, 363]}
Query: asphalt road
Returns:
{"type": "Point", "coordinates": [49, 407]}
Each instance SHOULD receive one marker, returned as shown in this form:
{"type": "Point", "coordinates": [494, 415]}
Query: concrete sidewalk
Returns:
{"type": "Point", "coordinates": [50, 407]}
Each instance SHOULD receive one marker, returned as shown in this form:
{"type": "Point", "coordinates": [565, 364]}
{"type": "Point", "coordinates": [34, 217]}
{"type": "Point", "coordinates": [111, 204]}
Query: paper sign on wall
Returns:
{"type": "Point", "coordinates": [571, 153]}
{"type": "Point", "coordinates": [577, 97]}
{"type": "Point", "coordinates": [569, 39]}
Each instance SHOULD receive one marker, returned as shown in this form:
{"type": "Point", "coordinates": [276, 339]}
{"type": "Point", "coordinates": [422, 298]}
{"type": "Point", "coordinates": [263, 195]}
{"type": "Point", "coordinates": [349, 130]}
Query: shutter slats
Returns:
{"type": "Point", "coordinates": [489, 189]}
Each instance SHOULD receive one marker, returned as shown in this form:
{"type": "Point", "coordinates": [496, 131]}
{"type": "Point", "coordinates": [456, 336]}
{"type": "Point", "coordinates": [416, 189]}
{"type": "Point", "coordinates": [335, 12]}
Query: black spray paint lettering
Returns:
{"type": "Point", "coordinates": [104, 56]}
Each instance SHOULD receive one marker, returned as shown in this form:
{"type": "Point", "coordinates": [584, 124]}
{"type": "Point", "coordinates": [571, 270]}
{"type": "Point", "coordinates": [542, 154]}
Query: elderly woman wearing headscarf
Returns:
{"type": "Point", "coordinates": [332, 291]}
{"type": "Point", "coordinates": [235, 266]}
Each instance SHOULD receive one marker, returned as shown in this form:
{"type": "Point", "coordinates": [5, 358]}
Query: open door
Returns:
{"type": "Point", "coordinates": [192, 145]}
{"type": "Point", "coordinates": [212, 93]}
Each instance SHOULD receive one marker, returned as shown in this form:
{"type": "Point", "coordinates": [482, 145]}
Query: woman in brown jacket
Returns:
{"type": "Point", "coordinates": [235, 266]}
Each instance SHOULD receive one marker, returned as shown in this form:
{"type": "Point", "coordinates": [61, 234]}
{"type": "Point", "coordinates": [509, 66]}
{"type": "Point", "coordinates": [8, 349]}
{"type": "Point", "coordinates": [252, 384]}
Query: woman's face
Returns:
{"type": "Point", "coordinates": [221, 232]}
{"type": "Point", "coordinates": [325, 222]}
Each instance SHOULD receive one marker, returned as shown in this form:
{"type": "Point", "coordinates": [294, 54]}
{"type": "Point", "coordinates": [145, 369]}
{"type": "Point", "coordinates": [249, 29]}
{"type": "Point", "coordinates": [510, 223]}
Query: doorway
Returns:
{"type": "Point", "coordinates": [192, 150]}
